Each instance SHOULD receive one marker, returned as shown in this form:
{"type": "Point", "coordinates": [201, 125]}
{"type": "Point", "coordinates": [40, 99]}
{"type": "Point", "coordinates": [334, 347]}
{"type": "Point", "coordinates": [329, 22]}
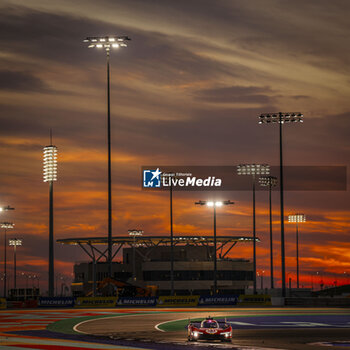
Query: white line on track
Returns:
{"type": "Point", "coordinates": [75, 328]}
{"type": "Point", "coordinates": [159, 324]}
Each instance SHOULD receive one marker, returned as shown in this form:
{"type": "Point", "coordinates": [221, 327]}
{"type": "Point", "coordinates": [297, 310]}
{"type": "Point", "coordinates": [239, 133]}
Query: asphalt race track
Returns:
{"type": "Point", "coordinates": [286, 328]}
{"type": "Point", "coordinates": [164, 329]}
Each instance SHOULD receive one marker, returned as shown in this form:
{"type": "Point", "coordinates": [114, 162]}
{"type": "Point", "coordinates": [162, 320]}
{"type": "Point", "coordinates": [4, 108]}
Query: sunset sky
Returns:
{"type": "Point", "coordinates": [187, 90]}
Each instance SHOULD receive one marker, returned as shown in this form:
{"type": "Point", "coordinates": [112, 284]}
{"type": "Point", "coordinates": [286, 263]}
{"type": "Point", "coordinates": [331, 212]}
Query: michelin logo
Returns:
{"type": "Point", "coordinates": [151, 178]}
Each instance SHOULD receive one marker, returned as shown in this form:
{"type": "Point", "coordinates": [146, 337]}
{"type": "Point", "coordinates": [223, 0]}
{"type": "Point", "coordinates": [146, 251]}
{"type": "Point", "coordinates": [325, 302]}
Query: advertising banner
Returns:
{"type": "Point", "coordinates": [258, 299]}
{"type": "Point", "coordinates": [206, 300]}
{"type": "Point", "coordinates": [56, 302]}
{"type": "Point", "coordinates": [17, 304]}
{"type": "Point", "coordinates": [181, 300]}
{"type": "Point", "coordinates": [2, 303]}
{"type": "Point", "coordinates": [137, 301]}
{"type": "Point", "coordinates": [96, 302]}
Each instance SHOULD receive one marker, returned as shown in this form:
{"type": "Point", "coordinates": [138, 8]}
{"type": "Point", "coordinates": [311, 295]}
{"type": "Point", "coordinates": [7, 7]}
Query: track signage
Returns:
{"type": "Point", "coordinates": [205, 300]}
{"type": "Point", "coordinates": [96, 302]}
{"type": "Point", "coordinates": [181, 300]}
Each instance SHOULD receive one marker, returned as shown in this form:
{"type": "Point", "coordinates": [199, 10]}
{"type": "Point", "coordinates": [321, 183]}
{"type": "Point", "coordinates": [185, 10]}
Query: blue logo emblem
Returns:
{"type": "Point", "coordinates": [151, 178]}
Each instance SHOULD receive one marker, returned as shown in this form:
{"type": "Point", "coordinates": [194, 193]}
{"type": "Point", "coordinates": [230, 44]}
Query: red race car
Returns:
{"type": "Point", "coordinates": [209, 329]}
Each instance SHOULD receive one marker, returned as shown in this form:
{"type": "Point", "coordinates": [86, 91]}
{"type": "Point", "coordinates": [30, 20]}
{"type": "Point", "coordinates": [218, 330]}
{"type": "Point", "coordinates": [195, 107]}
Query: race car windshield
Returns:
{"type": "Point", "coordinates": [210, 324]}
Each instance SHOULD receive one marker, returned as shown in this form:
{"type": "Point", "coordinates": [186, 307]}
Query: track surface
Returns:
{"type": "Point", "coordinates": [258, 328]}
{"type": "Point", "coordinates": [285, 328]}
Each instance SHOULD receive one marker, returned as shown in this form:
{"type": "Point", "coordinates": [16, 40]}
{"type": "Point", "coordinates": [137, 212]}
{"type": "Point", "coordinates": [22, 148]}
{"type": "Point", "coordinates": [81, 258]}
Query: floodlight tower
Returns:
{"type": "Point", "coordinates": [167, 178]}
{"type": "Point", "coordinates": [281, 118]}
{"type": "Point", "coordinates": [253, 170]}
{"type": "Point", "coordinates": [214, 205]}
{"type": "Point", "coordinates": [6, 226]}
{"type": "Point", "coordinates": [15, 242]}
{"type": "Point", "coordinates": [297, 218]}
{"type": "Point", "coordinates": [134, 233]}
{"type": "Point", "coordinates": [269, 181]}
{"type": "Point", "coordinates": [50, 175]}
{"type": "Point", "coordinates": [107, 43]}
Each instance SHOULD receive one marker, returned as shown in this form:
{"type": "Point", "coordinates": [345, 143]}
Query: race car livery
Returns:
{"type": "Point", "coordinates": [209, 329]}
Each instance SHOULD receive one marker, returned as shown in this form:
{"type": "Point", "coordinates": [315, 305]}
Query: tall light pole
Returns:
{"type": "Point", "coordinates": [6, 226]}
{"type": "Point", "coordinates": [253, 170]}
{"type": "Point", "coordinates": [134, 233]}
{"type": "Point", "coordinates": [269, 181]}
{"type": "Point", "coordinates": [168, 177]}
{"type": "Point", "coordinates": [50, 175]}
{"type": "Point", "coordinates": [297, 218]}
{"type": "Point", "coordinates": [107, 43]}
{"type": "Point", "coordinates": [214, 205]}
{"type": "Point", "coordinates": [281, 118]}
{"type": "Point", "coordinates": [15, 242]}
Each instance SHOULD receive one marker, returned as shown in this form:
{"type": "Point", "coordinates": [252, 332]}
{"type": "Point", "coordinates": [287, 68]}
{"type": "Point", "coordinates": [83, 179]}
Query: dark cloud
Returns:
{"type": "Point", "coordinates": [21, 82]}
{"type": "Point", "coordinates": [235, 94]}
{"type": "Point", "coordinates": [58, 38]}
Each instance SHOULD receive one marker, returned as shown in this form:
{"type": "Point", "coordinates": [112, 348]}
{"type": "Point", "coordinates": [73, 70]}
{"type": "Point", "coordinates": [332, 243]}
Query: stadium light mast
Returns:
{"type": "Point", "coordinates": [134, 233]}
{"type": "Point", "coordinates": [50, 175]}
{"type": "Point", "coordinates": [15, 242]}
{"type": "Point", "coordinates": [107, 43]}
{"type": "Point", "coordinates": [168, 179]}
{"type": "Point", "coordinates": [297, 218]}
{"type": "Point", "coordinates": [270, 181]}
{"type": "Point", "coordinates": [253, 170]}
{"type": "Point", "coordinates": [281, 118]}
{"type": "Point", "coordinates": [214, 205]}
{"type": "Point", "coordinates": [6, 226]}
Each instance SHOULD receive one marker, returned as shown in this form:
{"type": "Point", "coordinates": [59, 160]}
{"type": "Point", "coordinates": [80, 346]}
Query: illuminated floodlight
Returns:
{"type": "Point", "coordinates": [297, 218]}
{"type": "Point", "coordinates": [281, 118]}
{"type": "Point", "coordinates": [106, 42]}
{"type": "Point", "coordinates": [7, 225]}
{"type": "Point", "coordinates": [50, 163]}
{"type": "Point", "coordinates": [135, 232]}
{"type": "Point", "coordinates": [15, 242]}
{"type": "Point", "coordinates": [266, 181]}
{"type": "Point", "coordinates": [253, 169]}
{"type": "Point", "coordinates": [6, 208]}
{"type": "Point", "coordinates": [214, 204]}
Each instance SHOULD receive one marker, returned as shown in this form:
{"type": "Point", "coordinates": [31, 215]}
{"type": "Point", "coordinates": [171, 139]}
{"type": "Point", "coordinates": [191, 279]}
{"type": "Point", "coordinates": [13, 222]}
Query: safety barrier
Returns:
{"type": "Point", "coordinates": [95, 302]}
{"type": "Point", "coordinates": [179, 300]}
{"type": "Point", "coordinates": [137, 301]}
{"type": "Point", "coordinates": [254, 299]}
{"type": "Point", "coordinates": [207, 300]}
{"type": "Point", "coordinates": [56, 302]}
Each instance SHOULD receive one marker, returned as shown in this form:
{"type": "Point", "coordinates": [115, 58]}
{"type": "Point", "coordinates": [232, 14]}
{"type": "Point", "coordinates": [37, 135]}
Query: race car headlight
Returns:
{"type": "Point", "coordinates": [227, 334]}
{"type": "Point", "coordinates": [196, 334]}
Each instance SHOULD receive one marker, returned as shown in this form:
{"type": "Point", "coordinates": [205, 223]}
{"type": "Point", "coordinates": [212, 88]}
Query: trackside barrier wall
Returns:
{"type": "Point", "coordinates": [2, 303]}
{"type": "Point", "coordinates": [180, 300]}
{"type": "Point", "coordinates": [137, 301]}
{"type": "Point", "coordinates": [96, 302]}
{"type": "Point", "coordinates": [207, 300]}
{"type": "Point", "coordinates": [16, 304]}
{"type": "Point", "coordinates": [332, 302]}
{"type": "Point", "coordinates": [254, 299]}
{"type": "Point", "coordinates": [56, 302]}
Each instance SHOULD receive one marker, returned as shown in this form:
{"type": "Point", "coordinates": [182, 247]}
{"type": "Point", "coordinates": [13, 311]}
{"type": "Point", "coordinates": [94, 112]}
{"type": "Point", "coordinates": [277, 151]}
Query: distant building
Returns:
{"type": "Point", "coordinates": [193, 265]}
